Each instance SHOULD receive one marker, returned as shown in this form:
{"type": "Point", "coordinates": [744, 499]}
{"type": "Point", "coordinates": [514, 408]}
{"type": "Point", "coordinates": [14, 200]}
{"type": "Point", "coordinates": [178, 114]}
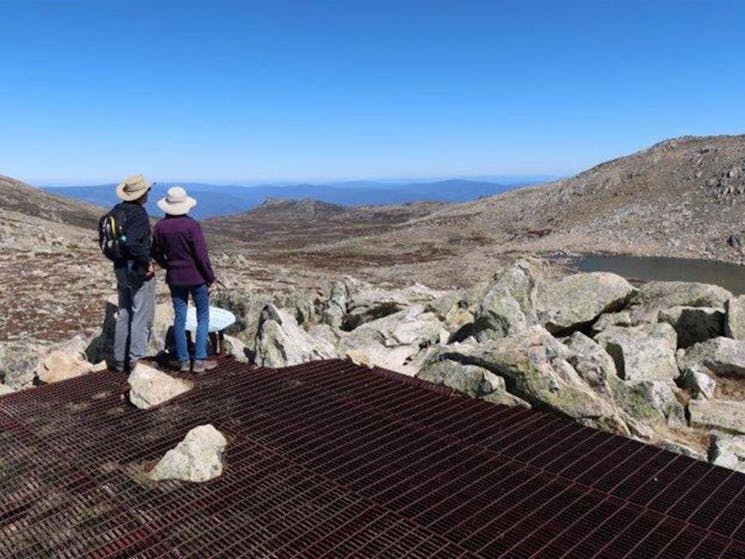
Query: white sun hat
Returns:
{"type": "Point", "coordinates": [176, 202]}
{"type": "Point", "coordinates": [132, 188]}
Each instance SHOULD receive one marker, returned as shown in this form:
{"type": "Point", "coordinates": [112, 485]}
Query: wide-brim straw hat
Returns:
{"type": "Point", "coordinates": [176, 202]}
{"type": "Point", "coordinates": [132, 188]}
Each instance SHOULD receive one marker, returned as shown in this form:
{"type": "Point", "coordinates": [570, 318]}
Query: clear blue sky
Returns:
{"type": "Point", "coordinates": [322, 90]}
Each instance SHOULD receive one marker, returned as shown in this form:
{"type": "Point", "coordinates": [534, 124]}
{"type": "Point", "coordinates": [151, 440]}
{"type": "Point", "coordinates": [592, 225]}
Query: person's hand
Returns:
{"type": "Point", "coordinates": [150, 271]}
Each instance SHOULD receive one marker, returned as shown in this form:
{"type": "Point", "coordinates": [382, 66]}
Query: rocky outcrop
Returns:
{"type": "Point", "coordinates": [694, 324]}
{"type": "Point", "coordinates": [575, 301]}
{"type": "Point", "coordinates": [197, 458]}
{"type": "Point", "coordinates": [645, 352]}
{"type": "Point", "coordinates": [280, 342]}
{"type": "Point", "coordinates": [397, 342]}
{"type": "Point", "coordinates": [508, 305]}
{"type": "Point", "coordinates": [536, 368]}
{"type": "Point", "coordinates": [721, 415]}
{"type": "Point", "coordinates": [471, 380]}
{"type": "Point", "coordinates": [150, 387]}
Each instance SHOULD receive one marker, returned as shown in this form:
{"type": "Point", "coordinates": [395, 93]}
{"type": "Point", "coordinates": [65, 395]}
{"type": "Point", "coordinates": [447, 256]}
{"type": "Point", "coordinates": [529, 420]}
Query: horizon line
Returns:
{"type": "Point", "coordinates": [495, 179]}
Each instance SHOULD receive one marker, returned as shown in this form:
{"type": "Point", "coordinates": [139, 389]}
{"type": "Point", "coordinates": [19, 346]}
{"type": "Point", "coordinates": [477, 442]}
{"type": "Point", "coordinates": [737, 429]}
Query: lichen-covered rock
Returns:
{"type": "Point", "coordinates": [660, 397]}
{"type": "Point", "coordinates": [668, 294]}
{"type": "Point", "coordinates": [246, 304]}
{"type": "Point", "coordinates": [508, 305]}
{"type": "Point", "coordinates": [592, 363]}
{"type": "Point", "coordinates": [718, 356]}
{"type": "Point", "coordinates": [19, 360]}
{"type": "Point", "coordinates": [722, 415]}
{"type": "Point", "coordinates": [644, 352]}
{"type": "Point", "coordinates": [471, 380]}
{"type": "Point", "coordinates": [197, 458]}
{"type": "Point", "coordinates": [280, 342]}
{"type": "Point", "coordinates": [734, 323]}
{"type": "Point", "coordinates": [150, 387]}
{"type": "Point", "coordinates": [728, 451]}
{"type": "Point", "coordinates": [694, 324]}
{"type": "Point", "coordinates": [395, 341]}
{"type": "Point", "coordinates": [536, 368]}
{"type": "Point", "coordinates": [577, 300]}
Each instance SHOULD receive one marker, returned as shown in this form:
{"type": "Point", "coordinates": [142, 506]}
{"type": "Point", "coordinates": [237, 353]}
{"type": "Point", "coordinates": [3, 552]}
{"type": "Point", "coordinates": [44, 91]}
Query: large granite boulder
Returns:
{"type": "Point", "coordinates": [246, 304]}
{"type": "Point", "coordinates": [645, 352]}
{"type": "Point", "coordinates": [281, 342]}
{"type": "Point", "coordinates": [651, 401]}
{"type": "Point", "coordinates": [19, 360]}
{"type": "Point", "coordinates": [455, 309]}
{"type": "Point", "coordinates": [536, 369]}
{"type": "Point", "coordinates": [728, 451]}
{"type": "Point", "coordinates": [668, 294]}
{"type": "Point", "coordinates": [721, 415]}
{"type": "Point", "coordinates": [694, 324]}
{"type": "Point", "coordinates": [592, 363]}
{"type": "Point", "coordinates": [734, 323]}
{"type": "Point", "coordinates": [397, 342]}
{"type": "Point", "coordinates": [335, 307]}
{"type": "Point", "coordinates": [150, 387]}
{"type": "Point", "coordinates": [197, 458]}
{"type": "Point", "coordinates": [575, 301]}
{"type": "Point", "coordinates": [471, 380]}
{"type": "Point", "coordinates": [508, 305]}
{"type": "Point", "coordinates": [718, 356]}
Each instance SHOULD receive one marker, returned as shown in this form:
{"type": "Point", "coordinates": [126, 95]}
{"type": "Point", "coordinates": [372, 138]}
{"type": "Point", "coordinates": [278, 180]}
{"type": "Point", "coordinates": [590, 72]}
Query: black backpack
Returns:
{"type": "Point", "coordinates": [112, 234]}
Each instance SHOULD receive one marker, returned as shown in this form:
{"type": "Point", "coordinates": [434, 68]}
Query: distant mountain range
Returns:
{"type": "Point", "coordinates": [220, 200]}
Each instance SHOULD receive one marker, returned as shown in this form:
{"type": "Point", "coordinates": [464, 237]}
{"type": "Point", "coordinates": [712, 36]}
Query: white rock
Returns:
{"type": "Point", "coordinates": [198, 458]}
{"type": "Point", "coordinates": [728, 451]}
{"type": "Point", "coordinates": [150, 387]}
{"type": "Point", "coordinates": [59, 366]}
{"type": "Point", "coordinates": [5, 389]}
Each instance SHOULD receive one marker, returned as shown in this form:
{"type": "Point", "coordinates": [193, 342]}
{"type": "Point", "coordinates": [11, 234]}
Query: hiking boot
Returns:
{"type": "Point", "coordinates": [202, 365]}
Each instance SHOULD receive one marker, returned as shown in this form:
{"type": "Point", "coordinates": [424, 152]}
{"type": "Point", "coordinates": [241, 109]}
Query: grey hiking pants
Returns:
{"type": "Point", "coordinates": [135, 317]}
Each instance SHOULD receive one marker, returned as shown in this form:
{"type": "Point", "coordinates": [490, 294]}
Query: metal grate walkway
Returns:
{"type": "Point", "coordinates": [331, 460]}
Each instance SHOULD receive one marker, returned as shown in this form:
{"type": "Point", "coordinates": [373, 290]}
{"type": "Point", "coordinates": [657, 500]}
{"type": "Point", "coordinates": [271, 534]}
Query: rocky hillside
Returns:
{"type": "Point", "coordinates": [283, 224]}
{"type": "Point", "coordinates": [680, 198]}
{"type": "Point", "coordinates": [20, 198]}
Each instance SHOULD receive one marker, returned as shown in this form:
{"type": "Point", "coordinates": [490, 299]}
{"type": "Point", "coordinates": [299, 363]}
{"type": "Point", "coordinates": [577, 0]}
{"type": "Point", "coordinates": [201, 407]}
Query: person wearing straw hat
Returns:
{"type": "Point", "coordinates": [180, 248]}
{"type": "Point", "coordinates": [134, 276]}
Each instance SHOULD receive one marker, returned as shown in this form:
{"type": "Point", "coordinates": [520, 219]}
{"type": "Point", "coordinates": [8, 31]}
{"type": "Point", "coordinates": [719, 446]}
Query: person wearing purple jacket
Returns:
{"type": "Point", "coordinates": [179, 247]}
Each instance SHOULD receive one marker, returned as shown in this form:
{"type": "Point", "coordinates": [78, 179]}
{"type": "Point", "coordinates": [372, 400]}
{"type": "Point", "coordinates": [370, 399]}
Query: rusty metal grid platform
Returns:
{"type": "Point", "coordinates": [332, 460]}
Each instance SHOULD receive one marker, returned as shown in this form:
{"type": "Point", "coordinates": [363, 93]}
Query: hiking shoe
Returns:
{"type": "Point", "coordinates": [202, 365]}
{"type": "Point", "coordinates": [185, 366]}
